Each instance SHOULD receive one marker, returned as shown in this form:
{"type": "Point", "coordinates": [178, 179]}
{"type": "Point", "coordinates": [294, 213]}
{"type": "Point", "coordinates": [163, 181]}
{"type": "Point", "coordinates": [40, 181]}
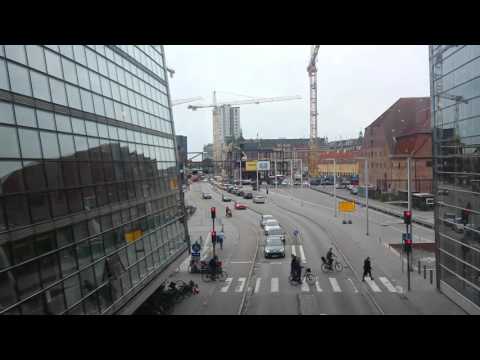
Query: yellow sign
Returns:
{"type": "Point", "coordinates": [346, 206]}
{"type": "Point", "coordinates": [251, 165]}
{"type": "Point", "coordinates": [134, 235]}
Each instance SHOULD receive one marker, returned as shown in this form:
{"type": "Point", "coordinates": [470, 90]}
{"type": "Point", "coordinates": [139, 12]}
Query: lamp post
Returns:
{"type": "Point", "coordinates": [365, 181]}
{"type": "Point", "coordinates": [334, 185]}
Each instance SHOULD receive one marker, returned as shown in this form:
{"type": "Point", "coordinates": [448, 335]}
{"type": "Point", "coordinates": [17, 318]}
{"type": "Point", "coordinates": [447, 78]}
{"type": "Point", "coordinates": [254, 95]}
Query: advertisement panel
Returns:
{"type": "Point", "coordinates": [263, 165]}
{"type": "Point", "coordinates": [346, 206]}
{"type": "Point", "coordinates": [251, 165]}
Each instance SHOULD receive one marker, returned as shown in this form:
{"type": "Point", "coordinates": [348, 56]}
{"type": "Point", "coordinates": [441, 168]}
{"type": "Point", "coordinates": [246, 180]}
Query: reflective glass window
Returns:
{"type": "Point", "coordinates": [8, 142]}
{"type": "Point", "coordinates": [53, 171]}
{"type": "Point", "coordinates": [40, 86]}
{"type": "Point", "coordinates": [63, 123]}
{"type": "Point", "coordinates": [36, 58]}
{"type": "Point", "coordinates": [58, 92]}
{"type": "Point", "coordinates": [28, 279]}
{"type": "Point", "coordinates": [39, 206]}
{"type": "Point", "coordinates": [19, 79]}
{"type": "Point", "coordinates": [109, 110]}
{"type": "Point", "coordinates": [74, 199]}
{"type": "Point", "coordinates": [87, 101]}
{"type": "Point", "coordinates": [25, 116]}
{"type": "Point", "coordinates": [91, 128]}
{"type": "Point", "coordinates": [83, 79]}
{"type": "Point", "coordinates": [3, 75]}
{"type": "Point", "coordinates": [69, 71]}
{"type": "Point", "coordinates": [91, 59]}
{"type": "Point", "coordinates": [49, 145]}
{"type": "Point", "coordinates": [11, 175]}
{"type": "Point", "coordinates": [29, 143]}
{"type": "Point", "coordinates": [102, 66]}
{"type": "Point", "coordinates": [16, 209]}
{"type": "Point", "coordinates": [45, 120]}
{"type": "Point", "coordinates": [79, 52]}
{"type": "Point", "coordinates": [73, 94]}
{"type": "Point", "coordinates": [66, 145]}
{"type": "Point", "coordinates": [6, 113]}
{"type": "Point", "coordinates": [16, 52]}
{"type": "Point", "coordinates": [95, 82]}
{"type": "Point", "coordinates": [105, 84]}
{"type": "Point", "coordinates": [70, 173]}
{"type": "Point", "coordinates": [102, 130]}
{"type": "Point", "coordinates": [54, 66]}
{"type": "Point", "coordinates": [78, 126]}
{"type": "Point", "coordinates": [66, 50]}
{"type": "Point", "coordinates": [58, 201]}
{"type": "Point", "coordinates": [98, 103]}
{"type": "Point", "coordinates": [34, 175]}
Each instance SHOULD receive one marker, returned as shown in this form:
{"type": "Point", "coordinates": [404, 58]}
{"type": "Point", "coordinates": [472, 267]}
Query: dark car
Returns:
{"type": "Point", "coordinates": [248, 195]}
{"type": "Point", "coordinates": [206, 195]}
{"type": "Point", "coordinates": [274, 246]}
{"type": "Point", "coordinates": [226, 198]}
{"type": "Point", "coordinates": [241, 193]}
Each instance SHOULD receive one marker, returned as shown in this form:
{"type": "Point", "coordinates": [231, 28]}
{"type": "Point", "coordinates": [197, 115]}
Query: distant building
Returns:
{"type": "Point", "coordinates": [182, 149]}
{"type": "Point", "coordinates": [226, 127]}
{"type": "Point", "coordinates": [208, 151]}
{"type": "Point", "coordinates": [454, 74]}
{"type": "Point", "coordinates": [403, 129]}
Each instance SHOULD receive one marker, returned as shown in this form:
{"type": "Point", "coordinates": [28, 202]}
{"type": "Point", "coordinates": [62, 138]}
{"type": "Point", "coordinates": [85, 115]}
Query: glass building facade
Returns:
{"type": "Point", "coordinates": [90, 205]}
{"type": "Point", "coordinates": [455, 90]}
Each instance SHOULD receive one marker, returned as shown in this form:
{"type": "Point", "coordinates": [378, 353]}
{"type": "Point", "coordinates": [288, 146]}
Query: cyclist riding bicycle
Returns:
{"type": "Point", "coordinates": [213, 266]}
{"type": "Point", "coordinates": [296, 269]}
{"type": "Point", "coordinates": [228, 212]}
{"type": "Point", "coordinates": [330, 256]}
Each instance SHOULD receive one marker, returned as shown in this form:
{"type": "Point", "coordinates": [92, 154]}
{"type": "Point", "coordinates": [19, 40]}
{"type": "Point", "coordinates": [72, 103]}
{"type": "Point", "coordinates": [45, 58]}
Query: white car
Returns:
{"type": "Point", "coordinates": [264, 218]}
{"type": "Point", "coordinates": [270, 222]}
{"type": "Point", "coordinates": [259, 199]}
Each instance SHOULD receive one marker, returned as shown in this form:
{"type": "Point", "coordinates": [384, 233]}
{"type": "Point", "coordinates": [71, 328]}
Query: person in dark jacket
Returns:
{"type": "Point", "coordinates": [367, 269]}
{"type": "Point", "coordinates": [292, 266]}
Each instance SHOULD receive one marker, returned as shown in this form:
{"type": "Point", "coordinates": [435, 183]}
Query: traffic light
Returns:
{"type": "Point", "coordinates": [407, 217]}
{"type": "Point", "coordinates": [214, 237]}
{"type": "Point", "coordinates": [213, 212]}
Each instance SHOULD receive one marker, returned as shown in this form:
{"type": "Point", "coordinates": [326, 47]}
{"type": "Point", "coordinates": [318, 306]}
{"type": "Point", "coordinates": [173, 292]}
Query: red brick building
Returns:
{"type": "Point", "coordinates": [404, 129]}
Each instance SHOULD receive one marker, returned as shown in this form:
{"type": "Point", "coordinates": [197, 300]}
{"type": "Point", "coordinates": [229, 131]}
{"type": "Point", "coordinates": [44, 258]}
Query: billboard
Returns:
{"type": "Point", "coordinates": [346, 206]}
{"type": "Point", "coordinates": [263, 165]}
{"type": "Point", "coordinates": [251, 165]}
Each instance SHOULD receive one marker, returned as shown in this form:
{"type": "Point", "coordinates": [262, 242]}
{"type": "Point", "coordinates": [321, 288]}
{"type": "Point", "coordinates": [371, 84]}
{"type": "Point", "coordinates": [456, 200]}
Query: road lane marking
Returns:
{"type": "Point", "coordinates": [305, 287]}
{"type": "Point", "coordinates": [274, 285]}
{"type": "Point", "coordinates": [257, 285]}
{"type": "Point", "coordinates": [240, 262]}
{"type": "Point", "coordinates": [228, 282]}
{"type": "Point", "coordinates": [302, 254]}
{"type": "Point", "coordinates": [399, 289]}
{"type": "Point", "coordinates": [293, 250]}
{"type": "Point", "coordinates": [353, 285]}
{"type": "Point", "coordinates": [317, 285]}
{"type": "Point", "coordinates": [335, 286]}
{"type": "Point", "coordinates": [388, 284]}
{"type": "Point", "coordinates": [374, 286]}
{"type": "Point", "coordinates": [241, 284]}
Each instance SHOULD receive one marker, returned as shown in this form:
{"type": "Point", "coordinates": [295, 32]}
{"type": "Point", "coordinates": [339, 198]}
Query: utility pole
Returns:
{"type": "Point", "coordinates": [276, 179]}
{"type": "Point", "coordinates": [335, 186]}
{"type": "Point", "coordinates": [409, 226]}
{"type": "Point", "coordinates": [366, 191]}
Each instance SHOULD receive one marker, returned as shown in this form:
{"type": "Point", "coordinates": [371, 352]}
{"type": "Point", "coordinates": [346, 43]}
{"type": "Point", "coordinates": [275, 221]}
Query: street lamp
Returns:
{"type": "Point", "coordinates": [365, 180]}
{"type": "Point", "coordinates": [334, 185]}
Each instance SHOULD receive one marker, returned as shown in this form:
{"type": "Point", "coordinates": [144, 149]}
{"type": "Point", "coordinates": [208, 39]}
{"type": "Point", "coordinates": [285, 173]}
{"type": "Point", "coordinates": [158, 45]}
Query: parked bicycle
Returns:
{"type": "Point", "coordinates": [309, 277]}
{"type": "Point", "coordinates": [336, 266]}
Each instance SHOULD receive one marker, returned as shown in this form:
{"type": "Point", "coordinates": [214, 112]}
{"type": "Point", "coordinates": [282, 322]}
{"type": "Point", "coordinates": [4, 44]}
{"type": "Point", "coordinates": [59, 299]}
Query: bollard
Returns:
{"type": "Point", "coordinates": [424, 271]}
{"type": "Point", "coordinates": [419, 268]}
{"type": "Point", "coordinates": [431, 276]}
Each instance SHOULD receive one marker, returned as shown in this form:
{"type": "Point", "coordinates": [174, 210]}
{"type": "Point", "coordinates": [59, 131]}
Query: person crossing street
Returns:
{"type": "Point", "coordinates": [367, 269]}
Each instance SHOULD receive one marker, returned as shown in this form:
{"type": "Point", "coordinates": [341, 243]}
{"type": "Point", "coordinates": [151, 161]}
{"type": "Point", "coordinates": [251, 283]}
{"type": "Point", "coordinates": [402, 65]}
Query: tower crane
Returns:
{"type": "Point", "coordinates": [312, 74]}
{"type": "Point", "coordinates": [184, 101]}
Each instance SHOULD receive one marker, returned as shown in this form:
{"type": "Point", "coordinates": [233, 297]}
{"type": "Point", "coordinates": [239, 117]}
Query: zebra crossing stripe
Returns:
{"type": "Point", "coordinates": [317, 285]}
{"type": "Point", "coordinates": [228, 282]}
{"type": "Point", "coordinates": [353, 285]}
{"type": "Point", "coordinates": [241, 284]}
{"type": "Point", "coordinates": [293, 250]}
{"type": "Point", "coordinates": [274, 285]}
{"type": "Point", "coordinates": [335, 286]}
{"type": "Point", "coordinates": [305, 287]}
{"type": "Point", "coordinates": [388, 284]}
{"type": "Point", "coordinates": [374, 286]}
{"type": "Point", "coordinates": [257, 285]}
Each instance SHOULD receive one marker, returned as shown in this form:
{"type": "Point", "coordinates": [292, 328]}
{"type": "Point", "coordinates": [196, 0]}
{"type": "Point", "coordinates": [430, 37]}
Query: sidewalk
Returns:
{"type": "Point", "coordinates": [420, 217]}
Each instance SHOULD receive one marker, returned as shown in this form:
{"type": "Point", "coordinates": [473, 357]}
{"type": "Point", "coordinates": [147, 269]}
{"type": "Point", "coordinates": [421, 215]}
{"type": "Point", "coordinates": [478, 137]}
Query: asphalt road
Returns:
{"type": "Point", "coordinates": [259, 286]}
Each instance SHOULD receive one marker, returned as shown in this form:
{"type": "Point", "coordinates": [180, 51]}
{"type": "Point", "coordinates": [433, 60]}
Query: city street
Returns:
{"type": "Point", "coordinates": [256, 285]}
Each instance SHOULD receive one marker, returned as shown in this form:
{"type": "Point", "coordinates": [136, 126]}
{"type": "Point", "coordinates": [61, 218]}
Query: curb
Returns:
{"type": "Point", "coordinates": [380, 209]}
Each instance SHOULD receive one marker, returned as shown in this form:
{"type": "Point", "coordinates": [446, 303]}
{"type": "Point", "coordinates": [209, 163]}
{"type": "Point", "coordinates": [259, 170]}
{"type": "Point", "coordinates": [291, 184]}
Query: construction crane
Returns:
{"type": "Point", "coordinates": [312, 74]}
{"type": "Point", "coordinates": [243, 102]}
{"type": "Point", "coordinates": [184, 101]}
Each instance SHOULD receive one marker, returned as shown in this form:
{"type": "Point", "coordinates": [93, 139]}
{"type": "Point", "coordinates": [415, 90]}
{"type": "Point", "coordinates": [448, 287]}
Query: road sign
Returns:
{"type": "Point", "coordinates": [263, 165]}
{"type": "Point", "coordinates": [196, 248]}
{"type": "Point", "coordinates": [346, 206]}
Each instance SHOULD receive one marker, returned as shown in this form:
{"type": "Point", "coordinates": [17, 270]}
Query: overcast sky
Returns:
{"type": "Point", "coordinates": [356, 84]}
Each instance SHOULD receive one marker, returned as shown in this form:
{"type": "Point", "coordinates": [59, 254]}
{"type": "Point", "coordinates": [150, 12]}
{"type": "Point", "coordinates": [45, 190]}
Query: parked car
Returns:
{"type": "Point", "coordinates": [452, 220]}
{"type": "Point", "coordinates": [240, 206]}
{"type": "Point", "coordinates": [206, 195]}
{"type": "Point", "coordinates": [264, 218]}
{"type": "Point", "coordinates": [248, 195]}
{"type": "Point", "coordinates": [349, 186]}
{"type": "Point", "coordinates": [241, 193]}
{"type": "Point", "coordinates": [226, 198]}
{"type": "Point", "coordinates": [274, 246]}
{"type": "Point", "coordinates": [270, 222]}
{"type": "Point", "coordinates": [259, 199]}
{"type": "Point", "coordinates": [274, 230]}
{"type": "Point", "coordinates": [354, 190]}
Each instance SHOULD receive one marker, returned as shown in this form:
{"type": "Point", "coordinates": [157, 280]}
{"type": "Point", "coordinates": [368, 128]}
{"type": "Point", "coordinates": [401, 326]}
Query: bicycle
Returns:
{"type": "Point", "coordinates": [336, 266]}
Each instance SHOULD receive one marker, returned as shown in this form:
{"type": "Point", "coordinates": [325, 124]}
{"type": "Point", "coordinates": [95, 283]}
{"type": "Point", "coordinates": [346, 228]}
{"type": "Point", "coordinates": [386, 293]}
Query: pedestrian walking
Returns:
{"type": "Point", "coordinates": [367, 269]}
{"type": "Point", "coordinates": [220, 237]}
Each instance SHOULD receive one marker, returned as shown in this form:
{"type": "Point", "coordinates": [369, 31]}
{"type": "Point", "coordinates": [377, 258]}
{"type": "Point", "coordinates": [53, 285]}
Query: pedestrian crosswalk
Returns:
{"type": "Point", "coordinates": [327, 285]}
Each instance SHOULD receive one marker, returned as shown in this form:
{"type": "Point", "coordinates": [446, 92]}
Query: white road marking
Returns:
{"type": "Point", "coordinates": [305, 286]}
{"type": "Point", "coordinates": [228, 282]}
{"type": "Point", "coordinates": [257, 285]}
{"type": "Point", "coordinates": [274, 263]}
{"type": "Point", "coordinates": [274, 285]}
{"type": "Point", "coordinates": [240, 262]}
{"type": "Point", "coordinates": [293, 250]}
{"type": "Point", "coordinates": [323, 314]}
{"type": "Point", "coordinates": [317, 285]}
{"type": "Point", "coordinates": [388, 284]}
{"type": "Point", "coordinates": [335, 286]}
{"type": "Point", "coordinates": [353, 285]}
{"type": "Point", "coordinates": [302, 254]}
{"type": "Point", "coordinates": [241, 284]}
{"type": "Point", "coordinates": [374, 286]}
{"type": "Point", "coordinates": [399, 289]}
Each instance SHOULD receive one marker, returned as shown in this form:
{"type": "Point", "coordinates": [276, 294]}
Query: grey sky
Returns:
{"type": "Point", "coordinates": [355, 85]}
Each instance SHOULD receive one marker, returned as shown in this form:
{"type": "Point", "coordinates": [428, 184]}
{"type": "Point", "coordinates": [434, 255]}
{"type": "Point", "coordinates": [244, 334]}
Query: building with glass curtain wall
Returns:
{"type": "Point", "coordinates": [90, 207]}
{"type": "Point", "coordinates": [455, 90]}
